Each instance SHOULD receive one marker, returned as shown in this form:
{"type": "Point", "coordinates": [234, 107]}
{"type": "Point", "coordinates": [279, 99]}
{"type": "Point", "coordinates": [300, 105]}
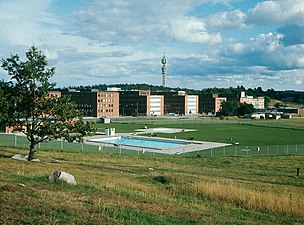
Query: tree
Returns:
{"type": "Point", "coordinates": [229, 108]}
{"type": "Point", "coordinates": [245, 108]}
{"type": "Point", "coordinates": [30, 109]}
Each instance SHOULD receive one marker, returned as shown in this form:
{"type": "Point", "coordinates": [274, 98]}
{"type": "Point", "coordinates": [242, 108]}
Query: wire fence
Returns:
{"type": "Point", "coordinates": [17, 141]}
{"type": "Point", "coordinates": [235, 150]}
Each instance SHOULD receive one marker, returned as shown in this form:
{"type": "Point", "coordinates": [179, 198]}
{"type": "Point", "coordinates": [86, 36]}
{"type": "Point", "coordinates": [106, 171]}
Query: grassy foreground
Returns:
{"type": "Point", "coordinates": [130, 189]}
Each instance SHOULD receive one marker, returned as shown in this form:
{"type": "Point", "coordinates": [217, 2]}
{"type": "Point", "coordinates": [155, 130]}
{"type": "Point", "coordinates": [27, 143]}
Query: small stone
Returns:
{"type": "Point", "coordinates": [35, 160]}
{"type": "Point", "coordinates": [63, 176]}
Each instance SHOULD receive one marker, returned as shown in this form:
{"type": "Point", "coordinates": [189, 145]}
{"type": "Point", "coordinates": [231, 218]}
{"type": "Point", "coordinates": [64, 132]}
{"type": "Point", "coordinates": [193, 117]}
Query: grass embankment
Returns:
{"type": "Point", "coordinates": [130, 189]}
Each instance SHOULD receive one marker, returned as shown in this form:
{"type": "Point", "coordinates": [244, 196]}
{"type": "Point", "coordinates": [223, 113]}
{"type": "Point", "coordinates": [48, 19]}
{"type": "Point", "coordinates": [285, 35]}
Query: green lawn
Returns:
{"type": "Point", "coordinates": [244, 134]}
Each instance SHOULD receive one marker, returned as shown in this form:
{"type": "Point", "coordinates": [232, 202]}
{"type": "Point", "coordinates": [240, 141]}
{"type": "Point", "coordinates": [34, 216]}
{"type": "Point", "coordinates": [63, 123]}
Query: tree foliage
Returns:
{"type": "Point", "coordinates": [234, 108]}
{"type": "Point", "coordinates": [245, 108]}
{"type": "Point", "coordinates": [30, 109]}
{"type": "Point", "coordinates": [229, 108]}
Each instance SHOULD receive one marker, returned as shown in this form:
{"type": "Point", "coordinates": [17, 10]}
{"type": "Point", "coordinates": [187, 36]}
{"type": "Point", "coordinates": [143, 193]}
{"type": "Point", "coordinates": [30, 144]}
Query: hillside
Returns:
{"type": "Point", "coordinates": [131, 189]}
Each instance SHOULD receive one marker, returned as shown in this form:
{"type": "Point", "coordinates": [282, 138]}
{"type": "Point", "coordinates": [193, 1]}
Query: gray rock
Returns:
{"type": "Point", "coordinates": [22, 157]}
{"type": "Point", "coordinates": [63, 176]}
{"type": "Point", "coordinates": [35, 160]}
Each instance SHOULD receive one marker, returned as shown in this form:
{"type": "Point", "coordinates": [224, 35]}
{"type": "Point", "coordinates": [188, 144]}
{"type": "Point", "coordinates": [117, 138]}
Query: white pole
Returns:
{"type": "Point", "coordinates": [15, 140]}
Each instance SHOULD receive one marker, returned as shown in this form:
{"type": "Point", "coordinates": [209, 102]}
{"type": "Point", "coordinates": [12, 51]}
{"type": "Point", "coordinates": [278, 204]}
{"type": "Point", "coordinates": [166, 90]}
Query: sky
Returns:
{"type": "Point", "coordinates": [208, 43]}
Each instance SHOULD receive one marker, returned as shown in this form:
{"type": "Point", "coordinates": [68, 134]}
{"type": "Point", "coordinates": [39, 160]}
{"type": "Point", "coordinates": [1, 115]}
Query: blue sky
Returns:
{"type": "Point", "coordinates": [208, 43]}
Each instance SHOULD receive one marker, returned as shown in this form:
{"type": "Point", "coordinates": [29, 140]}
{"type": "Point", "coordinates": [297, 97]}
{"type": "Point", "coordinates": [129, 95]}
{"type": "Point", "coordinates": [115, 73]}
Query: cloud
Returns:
{"type": "Point", "coordinates": [193, 30]}
{"type": "Point", "coordinates": [227, 20]}
{"type": "Point", "coordinates": [277, 12]}
{"type": "Point", "coordinates": [293, 34]}
{"type": "Point", "coordinates": [137, 21]}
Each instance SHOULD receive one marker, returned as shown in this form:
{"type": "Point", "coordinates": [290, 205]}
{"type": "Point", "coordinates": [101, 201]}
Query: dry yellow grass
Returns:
{"type": "Point", "coordinates": [121, 189]}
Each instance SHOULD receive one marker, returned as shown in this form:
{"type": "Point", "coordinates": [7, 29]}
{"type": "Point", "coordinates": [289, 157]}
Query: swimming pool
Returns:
{"type": "Point", "coordinates": [143, 142]}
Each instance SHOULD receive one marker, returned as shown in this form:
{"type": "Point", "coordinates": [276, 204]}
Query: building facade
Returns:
{"type": "Point", "coordinates": [140, 103]}
{"type": "Point", "coordinates": [258, 103]}
{"type": "Point", "coordinates": [95, 103]}
{"type": "Point", "coordinates": [211, 103]}
{"type": "Point", "coordinates": [180, 103]}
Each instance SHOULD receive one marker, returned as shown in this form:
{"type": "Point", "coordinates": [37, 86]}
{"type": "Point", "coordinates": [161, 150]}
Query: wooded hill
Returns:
{"type": "Point", "coordinates": [284, 96]}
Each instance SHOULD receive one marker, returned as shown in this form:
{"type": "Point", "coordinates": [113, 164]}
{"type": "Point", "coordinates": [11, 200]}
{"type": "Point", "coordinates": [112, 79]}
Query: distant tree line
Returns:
{"type": "Point", "coordinates": [290, 96]}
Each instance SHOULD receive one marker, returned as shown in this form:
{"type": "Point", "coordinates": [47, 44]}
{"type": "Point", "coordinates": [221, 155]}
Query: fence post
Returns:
{"type": "Point", "coordinates": [235, 150]}
{"type": "Point", "coordinates": [277, 149]}
{"type": "Point", "coordinates": [81, 146]}
{"type": "Point", "coordinates": [268, 150]}
{"type": "Point", "coordinates": [15, 140]}
{"type": "Point", "coordinates": [211, 152]}
{"type": "Point", "coordinates": [287, 149]}
{"type": "Point", "coordinates": [224, 151]}
{"type": "Point", "coordinates": [296, 149]}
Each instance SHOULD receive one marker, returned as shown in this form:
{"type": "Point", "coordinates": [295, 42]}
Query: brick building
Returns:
{"type": "Point", "coordinates": [95, 103]}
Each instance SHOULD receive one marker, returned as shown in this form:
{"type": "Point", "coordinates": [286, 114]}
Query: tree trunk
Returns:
{"type": "Point", "coordinates": [32, 151]}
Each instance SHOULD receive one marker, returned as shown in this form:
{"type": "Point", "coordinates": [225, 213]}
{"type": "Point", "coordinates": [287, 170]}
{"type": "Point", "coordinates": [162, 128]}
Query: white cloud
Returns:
{"type": "Point", "coordinates": [277, 12]}
{"type": "Point", "coordinates": [227, 20]}
{"type": "Point", "coordinates": [193, 30]}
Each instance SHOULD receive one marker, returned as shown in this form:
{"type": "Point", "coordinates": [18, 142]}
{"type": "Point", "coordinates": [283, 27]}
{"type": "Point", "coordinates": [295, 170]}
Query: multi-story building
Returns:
{"type": "Point", "coordinates": [180, 103]}
{"type": "Point", "coordinates": [211, 103]}
{"type": "Point", "coordinates": [140, 103]}
{"type": "Point", "coordinates": [258, 103]}
{"type": "Point", "coordinates": [95, 103]}
{"type": "Point", "coordinates": [56, 94]}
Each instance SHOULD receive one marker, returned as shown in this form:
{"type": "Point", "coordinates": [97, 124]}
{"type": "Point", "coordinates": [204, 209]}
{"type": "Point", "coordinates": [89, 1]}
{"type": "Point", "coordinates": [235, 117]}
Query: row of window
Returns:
{"type": "Point", "coordinates": [105, 110]}
{"type": "Point", "coordinates": [106, 100]}
{"type": "Point", "coordinates": [105, 95]}
{"type": "Point", "coordinates": [105, 105]}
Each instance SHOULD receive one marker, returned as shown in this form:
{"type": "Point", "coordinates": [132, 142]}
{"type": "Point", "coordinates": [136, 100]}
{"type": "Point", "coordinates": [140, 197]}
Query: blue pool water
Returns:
{"type": "Point", "coordinates": [143, 142]}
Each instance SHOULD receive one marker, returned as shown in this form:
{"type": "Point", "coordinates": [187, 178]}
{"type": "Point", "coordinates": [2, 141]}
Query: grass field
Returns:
{"type": "Point", "coordinates": [131, 189]}
{"type": "Point", "coordinates": [242, 133]}
{"type": "Point", "coordinates": [269, 139]}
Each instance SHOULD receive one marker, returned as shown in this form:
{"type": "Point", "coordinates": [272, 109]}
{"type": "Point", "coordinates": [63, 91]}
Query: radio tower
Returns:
{"type": "Point", "coordinates": [164, 69]}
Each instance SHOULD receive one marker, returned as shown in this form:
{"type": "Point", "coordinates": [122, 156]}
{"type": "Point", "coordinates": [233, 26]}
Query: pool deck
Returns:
{"type": "Point", "coordinates": [192, 145]}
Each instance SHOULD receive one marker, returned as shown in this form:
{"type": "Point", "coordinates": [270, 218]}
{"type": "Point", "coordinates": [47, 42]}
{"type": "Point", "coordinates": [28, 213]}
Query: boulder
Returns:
{"type": "Point", "coordinates": [22, 157]}
{"type": "Point", "coordinates": [63, 176]}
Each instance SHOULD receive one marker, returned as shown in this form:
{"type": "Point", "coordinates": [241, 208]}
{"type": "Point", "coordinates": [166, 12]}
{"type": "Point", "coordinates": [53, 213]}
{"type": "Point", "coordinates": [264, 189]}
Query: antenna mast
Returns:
{"type": "Point", "coordinates": [164, 69]}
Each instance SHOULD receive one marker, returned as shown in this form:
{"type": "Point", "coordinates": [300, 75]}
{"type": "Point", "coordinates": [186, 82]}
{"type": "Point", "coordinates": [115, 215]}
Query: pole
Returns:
{"type": "Point", "coordinates": [298, 172]}
{"type": "Point", "coordinates": [15, 140]}
{"type": "Point", "coordinates": [277, 149]}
